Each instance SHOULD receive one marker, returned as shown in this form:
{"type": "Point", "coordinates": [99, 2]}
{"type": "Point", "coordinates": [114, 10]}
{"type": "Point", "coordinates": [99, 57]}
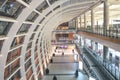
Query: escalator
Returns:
{"type": "Point", "coordinates": [100, 72]}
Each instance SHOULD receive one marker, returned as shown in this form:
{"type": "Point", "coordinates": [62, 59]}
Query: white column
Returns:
{"type": "Point", "coordinates": [85, 23]}
{"type": "Point", "coordinates": [80, 22]}
{"type": "Point", "coordinates": [92, 20]}
{"type": "Point", "coordinates": [106, 17]}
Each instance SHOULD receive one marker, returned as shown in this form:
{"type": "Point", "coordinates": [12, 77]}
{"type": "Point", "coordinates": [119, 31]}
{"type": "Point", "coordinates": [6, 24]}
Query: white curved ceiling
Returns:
{"type": "Point", "coordinates": [68, 10]}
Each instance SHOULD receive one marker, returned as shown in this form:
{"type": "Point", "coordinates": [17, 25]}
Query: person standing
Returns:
{"type": "Point", "coordinates": [63, 53]}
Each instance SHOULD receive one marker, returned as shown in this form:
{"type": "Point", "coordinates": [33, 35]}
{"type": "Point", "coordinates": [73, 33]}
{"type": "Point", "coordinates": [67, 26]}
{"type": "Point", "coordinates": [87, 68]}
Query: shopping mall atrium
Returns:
{"type": "Point", "coordinates": [59, 39]}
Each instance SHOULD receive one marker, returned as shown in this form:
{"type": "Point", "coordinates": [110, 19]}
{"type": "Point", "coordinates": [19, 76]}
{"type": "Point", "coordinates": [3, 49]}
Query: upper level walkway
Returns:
{"type": "Point", "coordinates": [108, 41]}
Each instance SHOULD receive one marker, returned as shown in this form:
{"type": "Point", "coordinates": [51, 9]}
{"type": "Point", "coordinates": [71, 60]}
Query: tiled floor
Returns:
{"type": "Point", "coordinates": [66, 77]}
{"type": "Point", "coordinates": [69, 58]}
{"type": "Point", "coordinates": [64, 67]}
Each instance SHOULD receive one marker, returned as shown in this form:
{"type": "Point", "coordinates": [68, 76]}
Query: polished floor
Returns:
{"type": "Point", "coordinates": [64, 67]}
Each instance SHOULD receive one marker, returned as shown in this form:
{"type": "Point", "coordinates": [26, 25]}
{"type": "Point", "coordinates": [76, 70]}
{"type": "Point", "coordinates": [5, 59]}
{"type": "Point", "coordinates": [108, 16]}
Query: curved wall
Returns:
{"type": "Point", "coordinates": [39, 44]}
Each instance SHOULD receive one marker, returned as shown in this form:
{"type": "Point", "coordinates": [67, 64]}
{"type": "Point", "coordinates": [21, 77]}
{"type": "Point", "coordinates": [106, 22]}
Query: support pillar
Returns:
{"type": "Point", "coordinates": [76, 23]}
{"type": "Point", "coordinates": [80, 23]}
{"type": "Point", "coordinates": [96, 46]}
{"type": "Point", "coordinates": [106, 17]}
{"type": "Point", "coordinates": [105, 52]}
{"type": "Point", "coordinates": [85, 23]}
{"type": "Point", "coordinates": [92, 20]}
{"type": "Point", "coordinates": [91, 44]}
{"type": "Point", "coordinates": [80, 41]}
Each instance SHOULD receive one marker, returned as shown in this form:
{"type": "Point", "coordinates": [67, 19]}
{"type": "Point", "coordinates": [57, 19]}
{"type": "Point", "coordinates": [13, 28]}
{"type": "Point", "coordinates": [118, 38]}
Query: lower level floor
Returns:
{"type": "Point", "coordinates": [64, 66]}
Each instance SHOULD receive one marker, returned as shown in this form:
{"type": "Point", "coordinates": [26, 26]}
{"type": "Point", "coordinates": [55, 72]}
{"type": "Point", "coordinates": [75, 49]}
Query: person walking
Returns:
{"type": "Point", "coordinates": [47, 71]}
{"type": "Point", "coordinates": [54, 77]}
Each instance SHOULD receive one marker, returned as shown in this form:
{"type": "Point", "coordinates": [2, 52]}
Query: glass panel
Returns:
{"type": "Point", "coordinates": [36, 28]}
{"type": "Point", "coordinates": [38, 69]}
{"type": "Point", "coordinates": [24, 28]}
{"type": "Point", "coordinates": [32, 36]}
{"type": "Point", "coordinates": [13, 55]}
{"type": "Point", "coordinates": [11, 9]}
{"type": "Point", "coordinates": [16, 76]}
{"type": "Point", "coordinates": [27, 55]}
{"type": "Point", "coordinates": [2, 2]}
{"type": "Point", "coordinates": [39, 34]}
{"type": "Point", "coordinates": [29, 45]}
{"type": "Point", "coordinates": [17, 41]}
{"type": "Point", "coordinates": [36, 62]}
{"type": "Point", "coordinates": [40, 44]}
{"type": "Point", "coordinates": [15, 65]}
{"type": "Point", "coordinates": [33, 78]}
{"type": "Point", "coordinates": [42, 20]}
{"type": "Point", "coordinates": [9, 70]}
{"type": "Point", "coordinates": [27, 1]}
{"type": "Point", "coordinates": [27, 64]}
{"type": "Point", "coordinates": [56, 8]}
{"type": "Point", "coordinates": [35, 48]}
{"type": "Point", "coordinates": [1, 43]}
{"type": "Point", "coordinates": [52, 1]}
{"type": "Point", "coordinates": [36, 41]}
{"type": "Point", "coordinates": [5, 27]}
{"type": "Point", "coordinates": [42, 6]}
{"type": "Point", "coordinates": [42, 28]}
{"type": "Point", "coordinates": [39, 76]}
{"type": "Point", "coordinates": [36, 55]}
{"type": "Point", "coordinates": [32, 16]}
{"type": "Point", "coordinates": [29, 73]}
{"type": "Point", "coordinates": [48, 13]}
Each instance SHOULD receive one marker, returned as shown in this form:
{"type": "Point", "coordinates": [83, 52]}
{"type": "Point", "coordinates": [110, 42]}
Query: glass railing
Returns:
{"type": "Point", "coordinates": [66, 31]}
{"type": "Point", "coordinates": [63, 42]}
{"type": "Point", "coordinates": [87, 66]}
{"type": "Point", "coordinates": [113, 32]}
{"type": "Point", "coordinates": [110, 67]}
